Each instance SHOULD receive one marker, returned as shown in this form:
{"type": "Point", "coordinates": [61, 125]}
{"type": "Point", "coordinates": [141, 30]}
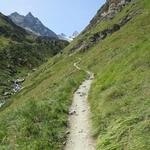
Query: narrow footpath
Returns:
{"type": "Point", "coordinates": [79, 137]}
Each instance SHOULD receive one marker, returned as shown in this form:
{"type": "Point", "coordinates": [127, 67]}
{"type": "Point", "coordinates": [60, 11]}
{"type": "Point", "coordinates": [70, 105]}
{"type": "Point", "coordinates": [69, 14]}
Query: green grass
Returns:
{"type": "Point", "coordinates": [119, 98]}
{"type": "Point", "coordinates": [20, 52]}
{"type": "Point", "coordinates": [40, 120]}
{"type": "Point", "coordinates": [120, 101]}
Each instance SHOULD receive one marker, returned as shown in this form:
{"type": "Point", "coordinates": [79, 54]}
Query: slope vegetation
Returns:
{"type": "Point", "coordinates": [20, 52]}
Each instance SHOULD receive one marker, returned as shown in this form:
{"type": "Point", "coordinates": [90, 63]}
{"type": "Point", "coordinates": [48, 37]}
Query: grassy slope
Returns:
{"type": "Point", "coordinates": [119, 98]}
{"type": "Point", "coordinates": [120, 94]}
{"type": "Point", "coordinates": [41, 118]}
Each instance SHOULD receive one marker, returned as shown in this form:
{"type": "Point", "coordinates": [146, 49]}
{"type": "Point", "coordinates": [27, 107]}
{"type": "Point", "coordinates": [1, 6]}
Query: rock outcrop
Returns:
{"type": "Point", "coordinates": [17, 85]}
{"type": "Point", "coordinates": [103, 34]}
{"type": "Point", "coordinates": [108, 11]}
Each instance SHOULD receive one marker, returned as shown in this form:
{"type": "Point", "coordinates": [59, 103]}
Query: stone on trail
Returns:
{"type": "Point", "coordinates": [72, 112]}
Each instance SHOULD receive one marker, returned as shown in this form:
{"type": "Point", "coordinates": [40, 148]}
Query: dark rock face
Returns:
{"type": "Point", "coordinates": [115, 27]}
{"type": "Point", "coordinates": [32, 24]}
{"type": "Point", "coordinates": [124, 20]}
{"type": "Point", "coordinates": [103, 34]}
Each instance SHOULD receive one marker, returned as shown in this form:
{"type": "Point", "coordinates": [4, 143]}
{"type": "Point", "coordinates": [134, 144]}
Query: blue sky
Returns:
{"type": "Point", "coordinates": [59, 15]}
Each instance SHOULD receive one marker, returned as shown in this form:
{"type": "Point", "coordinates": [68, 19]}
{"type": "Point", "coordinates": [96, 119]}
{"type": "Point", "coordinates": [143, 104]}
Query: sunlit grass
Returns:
{"type": "Point", "coordinates": [119, 97]}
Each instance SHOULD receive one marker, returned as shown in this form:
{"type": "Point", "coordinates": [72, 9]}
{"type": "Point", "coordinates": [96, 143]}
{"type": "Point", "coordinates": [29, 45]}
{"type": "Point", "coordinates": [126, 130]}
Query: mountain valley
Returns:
{"type": "Point", "coordinates": [111, 53]}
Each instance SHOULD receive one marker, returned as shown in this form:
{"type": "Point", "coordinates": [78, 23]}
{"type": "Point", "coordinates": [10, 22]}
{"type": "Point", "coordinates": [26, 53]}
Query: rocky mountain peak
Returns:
{"type": "Point", "coordinates": [32, 24]}
{"type": "Point", "coordinates": [75, 34]}
{"type": "Point", "coordinates": [63, 36]}
{"type": "Point", "coordinates": [15, 14]}
{"type": "Point", "coordinates": [29, 15]}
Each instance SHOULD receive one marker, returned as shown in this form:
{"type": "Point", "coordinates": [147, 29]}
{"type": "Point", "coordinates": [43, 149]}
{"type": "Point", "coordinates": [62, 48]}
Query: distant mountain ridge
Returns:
{"type": "Point", "coordinates": [63, 36]}
{"type": "Point", "coordinates": [32, 24]}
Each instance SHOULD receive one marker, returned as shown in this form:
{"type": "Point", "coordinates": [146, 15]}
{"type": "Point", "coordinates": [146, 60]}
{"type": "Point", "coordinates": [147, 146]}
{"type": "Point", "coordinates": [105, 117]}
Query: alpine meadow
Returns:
{"type": "Point", "coordinates": [88, 93]}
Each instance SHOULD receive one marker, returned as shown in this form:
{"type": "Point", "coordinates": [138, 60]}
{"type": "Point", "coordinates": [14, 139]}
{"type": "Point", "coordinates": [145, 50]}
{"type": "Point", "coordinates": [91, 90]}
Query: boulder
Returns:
{"type": "Point", "coordinates": [104, 14]}
{"type": "Point", "coordinates": [72, 112]}
{"type": "Point", "coordinates": [122, 3]}
{"type": "Point", "coordinates": [84, 47]}
{"type": "Point", "coordinates": [124, 20]}
{"type": "Point", "coordinates": [67, 132]}
{"type": "Point", "coordinates": [103, 34]}
{"type": "Point", "coordinates": [34, 69]}
{"type": "Point", "coordinates": [112, 6]}
{"type": "Point", "coordinates": [6, 94]}
{"type": "Point", "coordinates": [111, 14]}
{"type": "Point", "coordinates": [19, 80]}
{"type": "Point", "coordinates": [115, 27]}
{"type": "Point", "coordinates": [2, 102]}
{"type": "Point", "coordinates": [16, 87]}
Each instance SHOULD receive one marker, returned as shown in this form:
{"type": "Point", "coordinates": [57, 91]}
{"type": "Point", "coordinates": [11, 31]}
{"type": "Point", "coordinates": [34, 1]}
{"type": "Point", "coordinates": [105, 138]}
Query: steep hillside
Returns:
{"type": "Point", "coordinates": [32, 24]}
{"type": "Point", "coordinates": [117, 51]}
{"type": "Point", "coordinates": [20, 52]}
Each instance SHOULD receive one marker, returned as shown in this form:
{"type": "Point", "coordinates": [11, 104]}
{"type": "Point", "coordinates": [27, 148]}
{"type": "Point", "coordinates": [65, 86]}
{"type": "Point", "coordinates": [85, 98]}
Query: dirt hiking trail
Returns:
{"type": "Point", "coordinates": [79, 135]}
